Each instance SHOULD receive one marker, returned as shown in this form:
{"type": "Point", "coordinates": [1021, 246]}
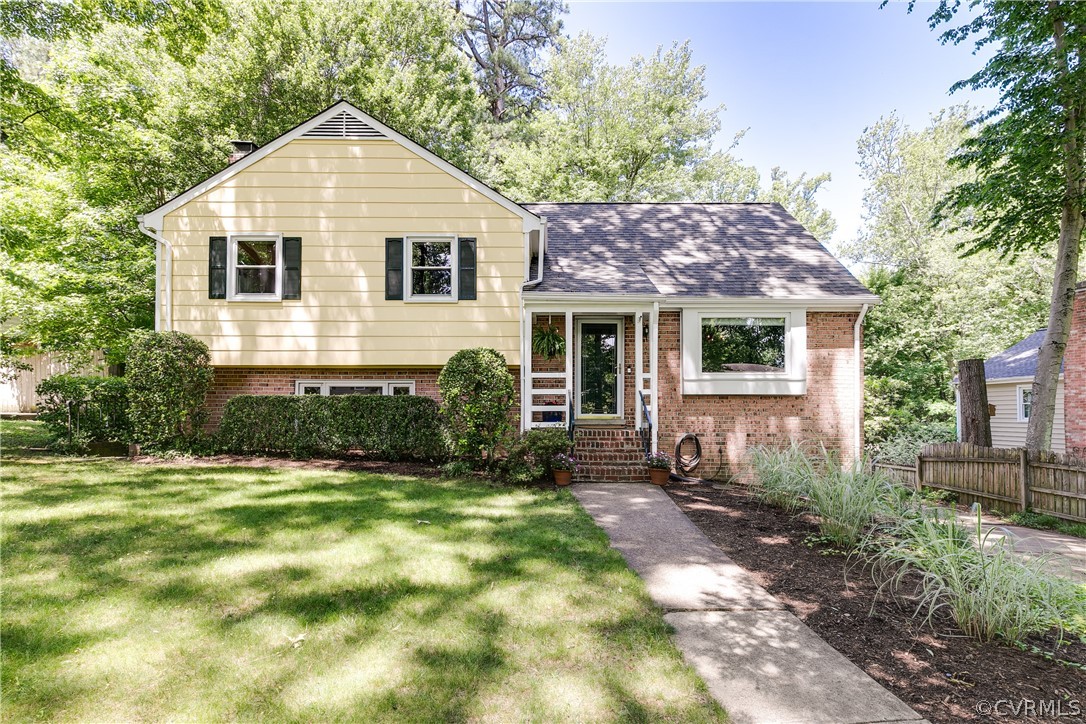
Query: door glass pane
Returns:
{"type": "Point", "coordinates": [356, 389]}
{"type": "Point", "coordinates": [599, 368]}
{"type": "Point", "coordinates": [738, 344]}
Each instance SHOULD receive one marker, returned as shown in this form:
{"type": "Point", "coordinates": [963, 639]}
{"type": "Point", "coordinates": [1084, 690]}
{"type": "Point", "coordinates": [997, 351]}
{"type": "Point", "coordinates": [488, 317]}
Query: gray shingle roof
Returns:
{"type": "Point", "coordinates": [1019, 360]}
{"type": "Point", "coordinates": [687, 249]}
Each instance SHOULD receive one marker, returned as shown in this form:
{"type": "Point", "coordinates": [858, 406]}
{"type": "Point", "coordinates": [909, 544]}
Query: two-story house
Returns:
{"type": "Point", "coordinates": [344, 258]}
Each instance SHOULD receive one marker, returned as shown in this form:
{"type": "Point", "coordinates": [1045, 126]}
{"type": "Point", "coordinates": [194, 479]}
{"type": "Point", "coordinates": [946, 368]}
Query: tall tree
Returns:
{"type": "Point", "coordinates": [506, 39]}
{"type": "Point", "coordinates": [1029, 155]}
{"type": "Point", "coordinates": [938, 305]}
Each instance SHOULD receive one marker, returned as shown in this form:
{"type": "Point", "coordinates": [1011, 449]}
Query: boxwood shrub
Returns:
{"type": "Point", "coordinates": [394, 427]}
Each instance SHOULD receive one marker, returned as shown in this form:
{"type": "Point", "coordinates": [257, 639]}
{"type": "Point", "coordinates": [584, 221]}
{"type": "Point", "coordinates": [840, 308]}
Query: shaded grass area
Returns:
{"type": "Point", "coordinates": [22, 436]}
{"type": "Point", "coordinates": [154, 592]}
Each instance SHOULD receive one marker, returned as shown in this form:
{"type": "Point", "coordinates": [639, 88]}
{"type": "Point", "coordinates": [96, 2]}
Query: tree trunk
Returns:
{"type": "Point", "coordinates": [1050, 356]}
{"type": "Point", "coordinates": [973, 398]}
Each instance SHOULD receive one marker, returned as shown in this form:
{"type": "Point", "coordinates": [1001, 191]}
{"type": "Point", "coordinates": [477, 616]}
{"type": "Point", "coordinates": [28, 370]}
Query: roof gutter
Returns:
{"type": "Point", "coordinates": [163, 317]}
{"type": "Point", "coordinates": [857, 352]}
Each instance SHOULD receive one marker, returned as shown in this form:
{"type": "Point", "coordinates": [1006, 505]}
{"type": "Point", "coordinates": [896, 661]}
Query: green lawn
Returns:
{"type": "Point", "coordinates": [212, 593]}
{"type": "Point", "coordinates": [21, 436]}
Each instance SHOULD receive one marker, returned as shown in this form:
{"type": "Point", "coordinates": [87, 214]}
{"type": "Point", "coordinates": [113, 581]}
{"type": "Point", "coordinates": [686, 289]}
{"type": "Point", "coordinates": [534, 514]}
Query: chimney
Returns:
{"type": "Point", "coordinates": [241, 150]}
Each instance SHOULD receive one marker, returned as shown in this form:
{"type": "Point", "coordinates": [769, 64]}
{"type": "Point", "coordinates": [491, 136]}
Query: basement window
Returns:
{"type": "Point", "coordinates": [354, 387]}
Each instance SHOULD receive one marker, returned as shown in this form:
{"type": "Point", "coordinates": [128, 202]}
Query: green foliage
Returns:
{"type": "Point", "coordinates": [937, 306]}
{"type": "Point", "coordinates": [548, 342]}
{"type": "Point", "coordinates": [169, 375]}
{"type": "Point", "coordinates": [477, 392]}
{"type": "Point", "coordinates": [783, 476]}
{"type": "Point", "coordinates": [81, 410]}
{"type": "Point", "coordinates": [1043, 521]}
{"type": "Point", "coordinates": [456, 469]}
{"type": "Point", "coordinates": [383, 427]}
{"type": "Point", "coordinates": [531, 456]}
{"type": "Point", "coordinates": [903, 444]}
{"type": "Point", "coordinates": [989, 591]}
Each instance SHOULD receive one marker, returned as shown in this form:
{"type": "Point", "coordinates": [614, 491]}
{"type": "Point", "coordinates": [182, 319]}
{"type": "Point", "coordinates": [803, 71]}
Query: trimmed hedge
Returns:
{"type": "Point", "coordinates": [80, 410]}
{"type": "Point", "coordinates": [393, 427]}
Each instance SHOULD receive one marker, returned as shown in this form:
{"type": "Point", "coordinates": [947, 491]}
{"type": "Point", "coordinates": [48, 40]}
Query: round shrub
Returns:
{"type": "Point", "coordinates": [478, 393]}
{"type": "Point", "coordinates": [169, 375]}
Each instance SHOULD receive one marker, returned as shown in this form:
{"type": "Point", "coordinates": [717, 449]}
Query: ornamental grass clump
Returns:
{"type": "Point", "coordinates": [782, 476]}
{"type": "Point", "coordinates": [848, 500]}
{"type": "Point", "coordinates": [988, 591]}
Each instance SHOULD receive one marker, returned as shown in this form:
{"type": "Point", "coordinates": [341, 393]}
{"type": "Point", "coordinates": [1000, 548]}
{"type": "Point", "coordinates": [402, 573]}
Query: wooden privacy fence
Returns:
{"type": "Point", "coordinates": [1005, 479]}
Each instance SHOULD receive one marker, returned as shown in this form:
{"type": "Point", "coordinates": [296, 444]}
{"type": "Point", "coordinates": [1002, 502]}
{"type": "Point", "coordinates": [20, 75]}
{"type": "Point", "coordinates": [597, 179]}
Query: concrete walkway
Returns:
{"type": "Point", "coordinates": [1064, 555]}
{"type": "Point", "coordinates": [760, 662]}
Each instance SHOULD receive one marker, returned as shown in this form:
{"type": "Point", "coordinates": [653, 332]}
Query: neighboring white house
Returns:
{"type": "Point", "coordinates": [1009, 377]}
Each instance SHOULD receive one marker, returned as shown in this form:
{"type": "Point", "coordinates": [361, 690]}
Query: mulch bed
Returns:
{"type": "Point", "coordinates": [941, 674]}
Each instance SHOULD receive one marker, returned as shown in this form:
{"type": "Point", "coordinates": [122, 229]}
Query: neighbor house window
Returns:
{"type": "Point", "coordinates": [430, 265]}
{"type": "Point", "coordinates": [1025, 402]}
{"type": "Point", "coordinates": [733, 349]}
{"type": "Point", "coordinates": [354, 387]}
{"type": "Point", "coordinates": [742, 344]}
{"type": "Point", "coordinates": [256, 266]}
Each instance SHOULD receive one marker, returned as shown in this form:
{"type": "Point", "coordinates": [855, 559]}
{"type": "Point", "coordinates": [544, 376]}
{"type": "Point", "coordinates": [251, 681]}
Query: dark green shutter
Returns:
{"type": "Point", "coordinates": [216, 268]}
{"type": "Point", "coordinates": [467, 269]}
{"type": "Point", "coordinates": [292, 267]}
{"type": "Point", "coordinates": [393, 268]}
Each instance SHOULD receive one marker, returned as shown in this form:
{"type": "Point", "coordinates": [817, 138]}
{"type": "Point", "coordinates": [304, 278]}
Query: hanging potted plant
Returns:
{"type": "Point", "coordinates": [548, 342]}
{"type": "Point", "coordinates": [563, 467]}
{"type": "Point", "coordinates": [659, 467]}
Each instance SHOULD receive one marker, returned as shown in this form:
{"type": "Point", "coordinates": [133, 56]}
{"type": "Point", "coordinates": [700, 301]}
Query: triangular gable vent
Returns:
{"type": "Point", "coordinates": [343, 125]}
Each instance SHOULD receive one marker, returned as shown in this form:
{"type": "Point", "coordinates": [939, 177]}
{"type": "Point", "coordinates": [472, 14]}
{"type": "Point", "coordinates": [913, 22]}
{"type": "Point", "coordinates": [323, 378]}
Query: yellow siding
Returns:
{"type": "Point", "coordinates": [1007, 431]}
{"type": "Point", "coordinates": [344, 198]}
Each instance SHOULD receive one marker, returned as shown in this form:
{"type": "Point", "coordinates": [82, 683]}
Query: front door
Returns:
{"type": "Point", "coordinates": [599, 378]}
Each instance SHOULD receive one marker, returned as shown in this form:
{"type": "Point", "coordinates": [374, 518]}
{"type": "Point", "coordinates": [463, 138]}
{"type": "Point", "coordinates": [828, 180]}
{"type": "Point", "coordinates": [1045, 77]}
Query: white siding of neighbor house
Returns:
{"type": "Point", "coordinates": [1007, 431]}
{"type": "Point", "coordinates": [18, 388]}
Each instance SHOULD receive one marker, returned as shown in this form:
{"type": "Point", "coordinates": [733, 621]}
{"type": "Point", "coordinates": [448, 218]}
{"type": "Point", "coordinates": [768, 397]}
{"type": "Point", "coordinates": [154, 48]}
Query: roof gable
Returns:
{"type": "Point", "coordinates": [1018, 360]}
{"type": "Point", "coordinates": [341, 120]}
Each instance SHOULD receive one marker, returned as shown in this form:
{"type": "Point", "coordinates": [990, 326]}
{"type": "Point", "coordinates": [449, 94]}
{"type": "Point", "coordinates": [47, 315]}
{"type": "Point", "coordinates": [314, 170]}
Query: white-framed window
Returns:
{"type": "Point", "coordinates": [744, 350]}
{"type": "Point", "coordinates": [430, 268]}
{"type": "Point", "coordinates": [1025, 402]}
{"type": "Point", "coordinates": [255, 267]}
{"type": "Point", "coordinates": [354, 387]}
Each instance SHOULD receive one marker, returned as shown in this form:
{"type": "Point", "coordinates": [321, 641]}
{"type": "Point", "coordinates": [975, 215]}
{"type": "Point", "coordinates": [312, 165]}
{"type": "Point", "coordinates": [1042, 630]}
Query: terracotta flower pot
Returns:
{"type": "Point", "coordinates": [659, 476]}
{"type": "Point", "coordinates": [562, 477]}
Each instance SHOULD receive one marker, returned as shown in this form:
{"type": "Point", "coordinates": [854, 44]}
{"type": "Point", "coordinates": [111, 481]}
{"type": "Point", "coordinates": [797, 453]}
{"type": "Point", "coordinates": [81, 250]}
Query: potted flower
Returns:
{"type": "Point", "coordinates": [659, 467]}
{"type": "Point", "coordinates": [563, 466]}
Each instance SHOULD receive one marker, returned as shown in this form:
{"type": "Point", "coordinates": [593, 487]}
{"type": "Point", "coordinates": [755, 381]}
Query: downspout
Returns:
{"type": "Point", "coordinates": [163, 313]}
{"type": "Point", "coordinates": [858, 356]}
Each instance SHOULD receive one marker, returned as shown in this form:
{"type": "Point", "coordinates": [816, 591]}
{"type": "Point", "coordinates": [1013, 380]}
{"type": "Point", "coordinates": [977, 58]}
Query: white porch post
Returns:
{"type": "Point", "coordinates": [569, 365]}
{"type": "Point", "coordinates": [525, 368]}
{"type": "Point", "coordinates": [654, 353]}
{"type": "Point", "coordinates": [639, 365]}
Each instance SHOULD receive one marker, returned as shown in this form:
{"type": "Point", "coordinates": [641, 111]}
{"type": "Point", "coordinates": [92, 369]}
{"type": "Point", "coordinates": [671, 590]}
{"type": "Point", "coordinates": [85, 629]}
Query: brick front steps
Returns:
{"type": "Point", "coordinates": [610, 455]}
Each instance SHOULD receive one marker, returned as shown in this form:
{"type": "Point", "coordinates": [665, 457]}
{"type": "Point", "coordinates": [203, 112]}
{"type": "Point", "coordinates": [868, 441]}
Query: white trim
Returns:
{"type": "Point", "coordinates": [386, 385]}
{"type": "Point", "coordinates": [1020, 403]}
{"type": "Point", "coordinates": [454, 269]}
{"type": "Point", "coordinates": [231, 268]}
{"type": "Point", "coordinates": [674, 303]}
{"type": "Point", "coordinates": [1010, 380]}
{"type": "Point", "coordinates": [620, 377]}
{"type": "Point", "coordinates": [792, 380]}
{"type": "Point", "coordinates": [154, 218]}
{"type": "Point", "coordinates": [858, 388]}
{"type": "Point", "coordinates": [654, 377]}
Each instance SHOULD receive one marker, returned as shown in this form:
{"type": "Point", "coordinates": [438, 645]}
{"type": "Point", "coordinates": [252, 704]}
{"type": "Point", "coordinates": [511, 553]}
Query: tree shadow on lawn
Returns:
{"type": "Point", "coordinates": [243, 558]}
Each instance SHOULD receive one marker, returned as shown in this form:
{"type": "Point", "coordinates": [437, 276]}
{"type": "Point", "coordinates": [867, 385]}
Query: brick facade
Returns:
{"type": "Point", "coordinates": [1074, 378]}
{"type": "Point", "coordinates": [727, 425]}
